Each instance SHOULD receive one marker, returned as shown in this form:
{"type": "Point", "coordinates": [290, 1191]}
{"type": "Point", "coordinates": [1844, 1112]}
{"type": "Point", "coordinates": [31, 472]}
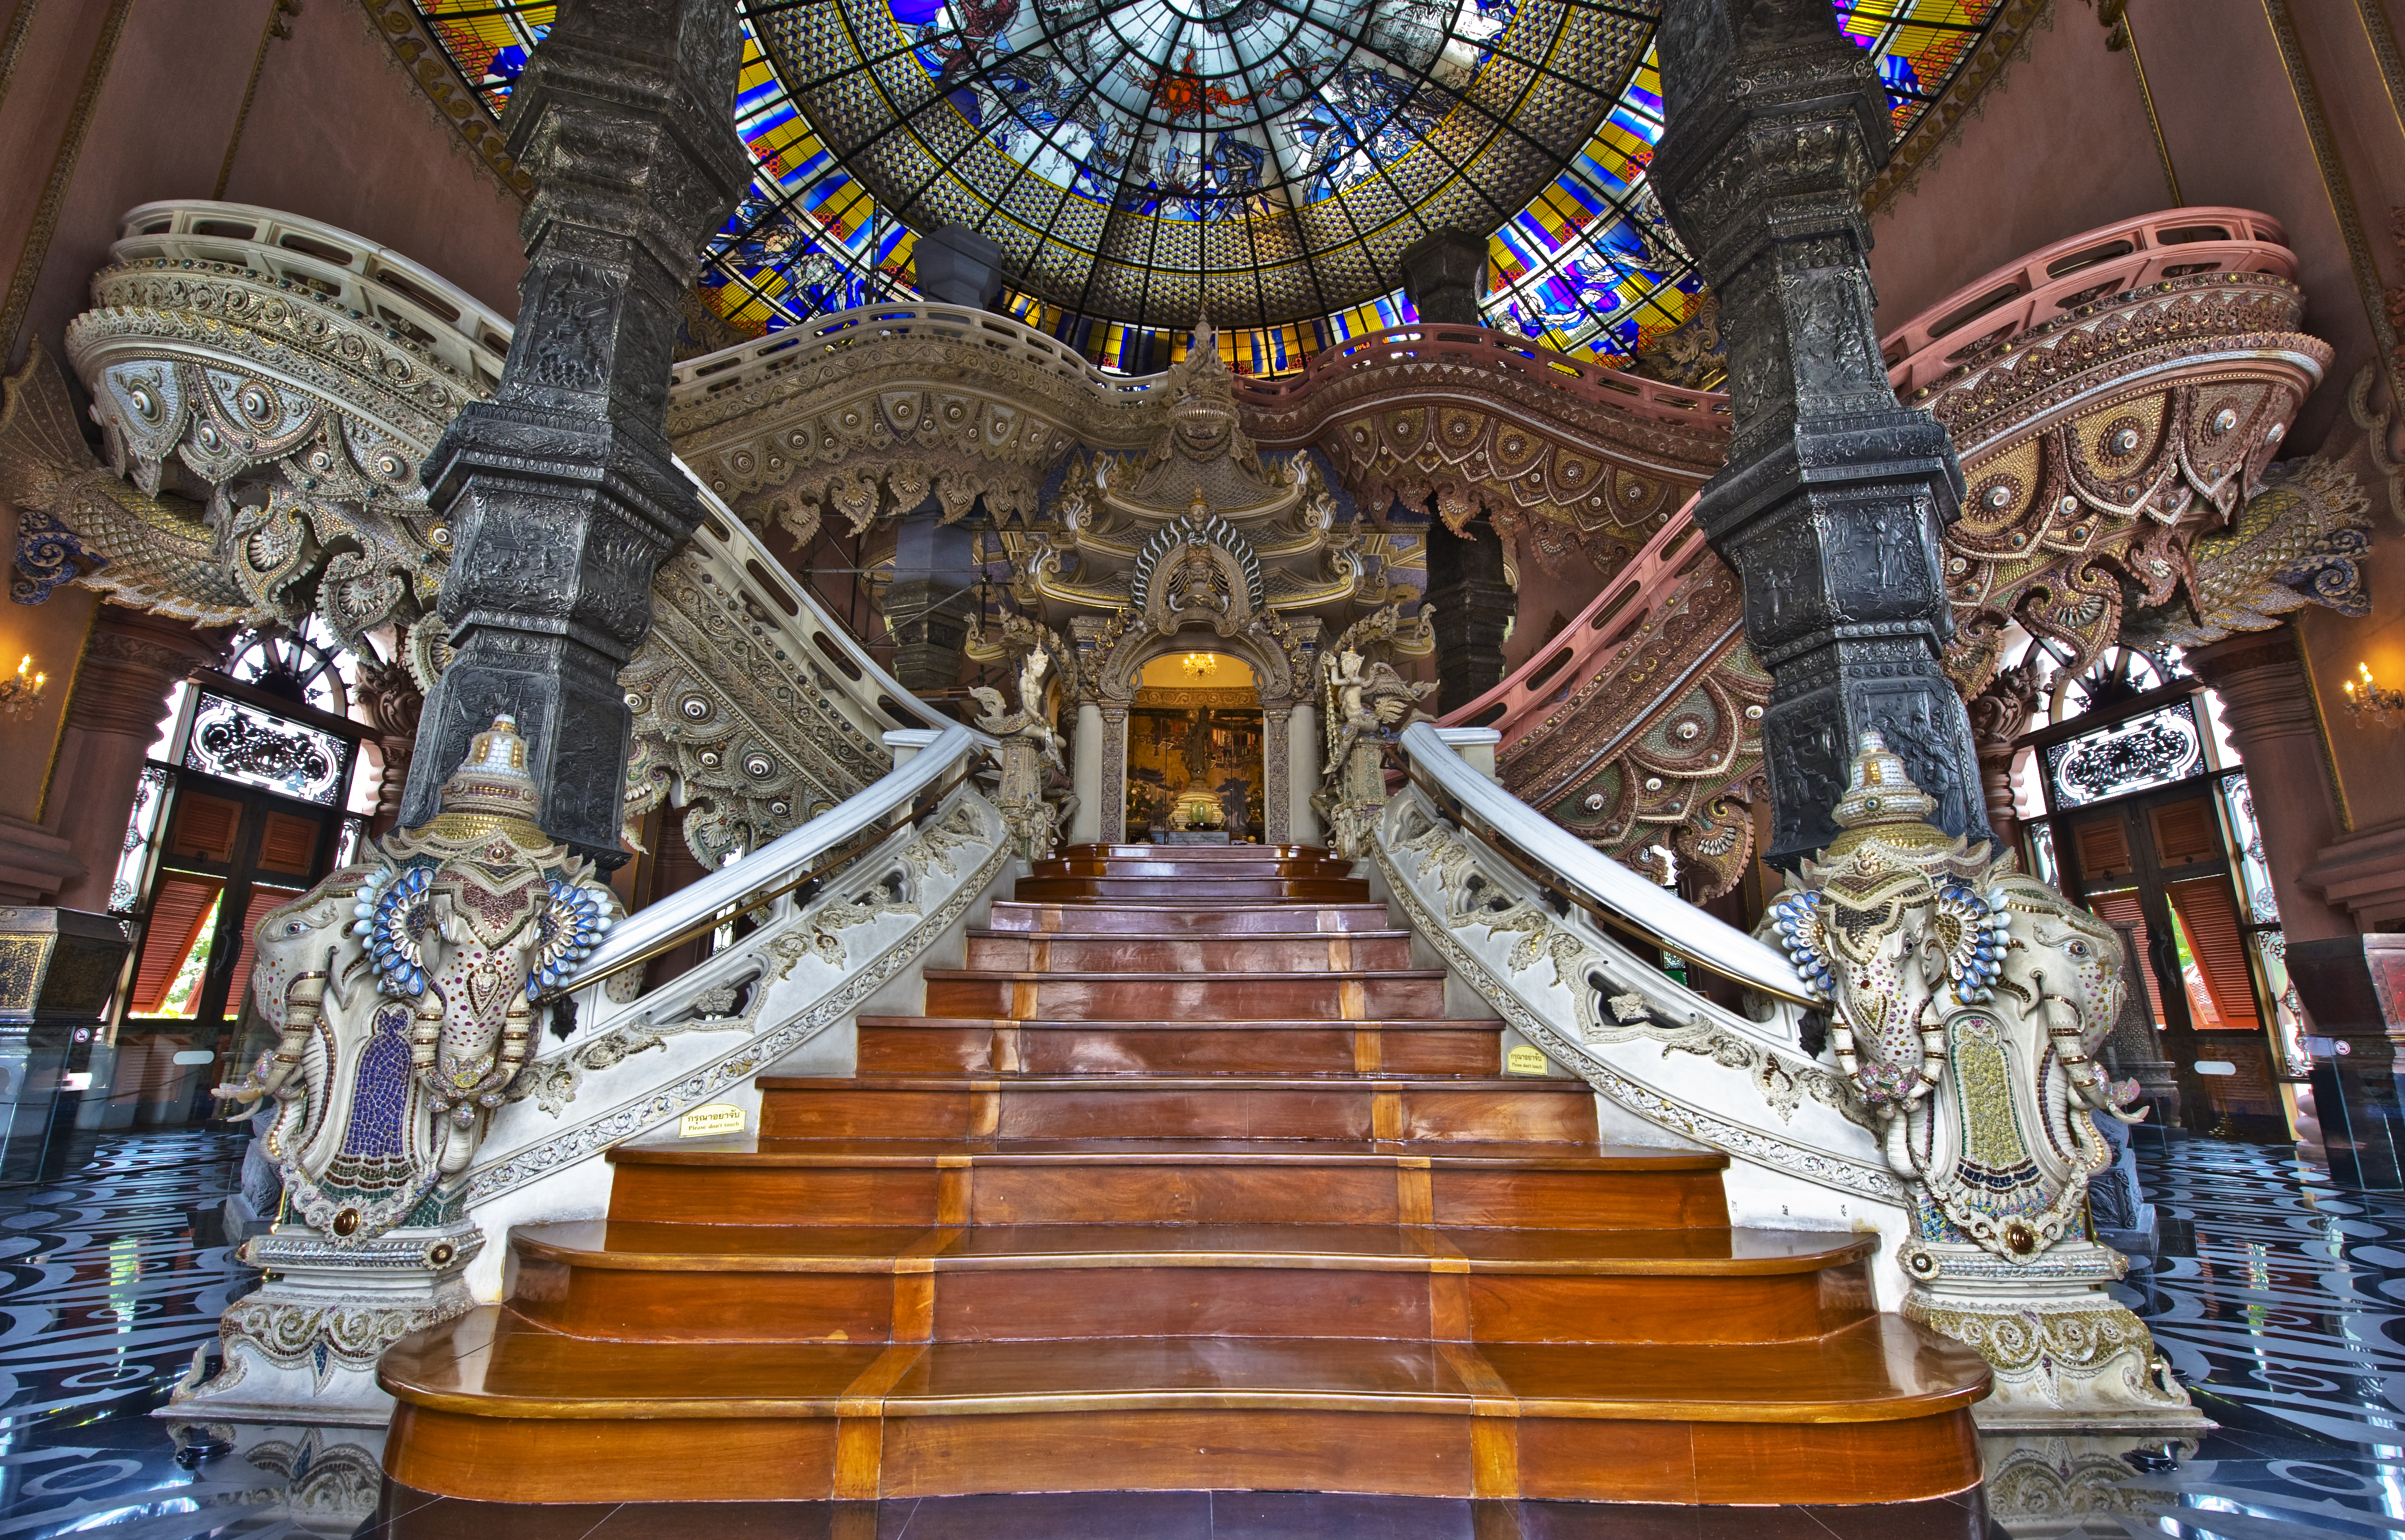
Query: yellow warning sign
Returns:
{"type": "Point", "coordinates": [711, 1121]}
{"type": "Point", "coordinates": [1525, 1060]}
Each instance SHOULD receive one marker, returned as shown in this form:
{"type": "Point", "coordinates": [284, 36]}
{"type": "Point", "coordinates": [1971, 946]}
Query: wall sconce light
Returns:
{"type": "Point", "coordinates": [19, 694]}
{"type": "Point", "coordinates": [1200, 665]}
{"type": "Point", "coordinates": [2367, 699]}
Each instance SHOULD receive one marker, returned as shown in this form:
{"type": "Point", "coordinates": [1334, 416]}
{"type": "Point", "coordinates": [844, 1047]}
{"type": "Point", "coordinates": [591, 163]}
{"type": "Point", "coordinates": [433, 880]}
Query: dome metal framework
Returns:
{"type": "Point", "coordinates": [1143, 160]}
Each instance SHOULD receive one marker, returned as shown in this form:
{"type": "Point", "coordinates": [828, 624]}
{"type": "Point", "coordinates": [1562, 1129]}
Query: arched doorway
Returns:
{"type": "Point", "coordinates": [1195, 760]}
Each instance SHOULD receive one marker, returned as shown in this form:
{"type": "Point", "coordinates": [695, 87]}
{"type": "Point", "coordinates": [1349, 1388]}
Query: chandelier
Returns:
{"type": "Point", "coordinates": [1201, 666]}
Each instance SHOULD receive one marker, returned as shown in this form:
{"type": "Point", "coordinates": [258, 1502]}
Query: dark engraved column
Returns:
{"type": "Point", "coordinates": [1834, 495]}
{"type": "Point", "coordinates": [1445, 274]}
{"type": "Point", "coordinates": [560, 493]}
{"type": "Point", "coordinates": [1474, 605]}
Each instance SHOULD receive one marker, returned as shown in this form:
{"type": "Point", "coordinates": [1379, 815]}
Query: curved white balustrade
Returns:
{"type": "Point", "coordinates": [781, 858]}
{"type": "Point", "coordinates": [373, 282]}
{"type": "Point", "coordinates": [1576, 864]}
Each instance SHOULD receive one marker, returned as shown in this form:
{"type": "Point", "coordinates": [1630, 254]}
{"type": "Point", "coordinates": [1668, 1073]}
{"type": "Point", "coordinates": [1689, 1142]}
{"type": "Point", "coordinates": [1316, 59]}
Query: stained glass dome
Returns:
{"type": "Point", "coordinates": [1139, 160]}
{"type": "Point", "coordinates": [1267, 161]}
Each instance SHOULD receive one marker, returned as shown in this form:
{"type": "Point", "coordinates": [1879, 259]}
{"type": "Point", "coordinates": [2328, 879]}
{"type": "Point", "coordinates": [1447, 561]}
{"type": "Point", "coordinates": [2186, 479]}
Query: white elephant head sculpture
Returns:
{"type": "Point", "coordinates": [1967, 1005]}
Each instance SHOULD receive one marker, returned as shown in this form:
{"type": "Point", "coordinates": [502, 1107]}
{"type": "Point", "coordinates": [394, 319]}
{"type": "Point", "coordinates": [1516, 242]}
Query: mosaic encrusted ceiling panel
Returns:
{"type": "Point", "coordinates": [1139, 158]}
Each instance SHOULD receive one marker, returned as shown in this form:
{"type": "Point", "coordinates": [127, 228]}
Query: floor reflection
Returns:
{"type": "Point", "coordinates": [2277, 1297]}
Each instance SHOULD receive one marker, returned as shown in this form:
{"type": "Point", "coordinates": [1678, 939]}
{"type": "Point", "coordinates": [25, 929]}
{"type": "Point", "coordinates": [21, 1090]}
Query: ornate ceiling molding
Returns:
{"type": "Point", "coordinates": [418, 55]}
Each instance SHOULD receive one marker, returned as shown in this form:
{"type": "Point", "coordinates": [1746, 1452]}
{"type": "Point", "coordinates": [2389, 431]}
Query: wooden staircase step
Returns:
{"type": "Point", "coordinates": [743, 1180]}
{"type": "Point", "coordinates": [1206, 892]}
{"type": "Point", "coordinates": [1250, 1107]}
{"type": "Point", "coordinates": [1165, 863]}
{"type": "Point", "coordinates": [1198, 854]}
{"type": "Point", "coordinates": [1355, 995]}
{"type": "Point", "coordinates": [627, 1281]}
{"type": "Point", "coordinates": [1016, 916]}
{"type": "Point", "coordinates": [496, 1408]}
{"type": "Point", "coordinates": [1000, 1045]}
{"type": "Point", "coordinates": [1086, 951]}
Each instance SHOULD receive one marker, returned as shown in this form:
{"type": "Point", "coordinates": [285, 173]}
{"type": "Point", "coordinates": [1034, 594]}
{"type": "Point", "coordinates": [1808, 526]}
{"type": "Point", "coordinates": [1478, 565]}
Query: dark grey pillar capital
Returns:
{"type": "Point", "coordinates": [958, 266]}
{"type": "Point", "coordinates": [560, 492]}
{"type": "Point", "coordinates": [1444, 277]}
{"type": "Point", "coordinates": [1834, 496]}
{"type": "Point", "coordinates": [1474, 605]}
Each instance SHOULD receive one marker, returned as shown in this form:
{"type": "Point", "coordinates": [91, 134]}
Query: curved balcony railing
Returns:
{"type": "Point", "coordinates": [2040, 287]}
{"type": "Point", "coordinates": [2052, 280]}
{"type": "Point", "coordinates": [374, 282]}
{"type": "Point", "coordinates": [749, 363]}
{"type": "Point", "coordinates": [1615, 612]}
{"type": "Point", "coordinates": [1423, 345]}
{"type": "Point", "coordinates": [742, 667]}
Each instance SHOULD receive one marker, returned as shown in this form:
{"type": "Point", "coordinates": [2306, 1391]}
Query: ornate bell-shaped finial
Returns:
{"type": "Point", "coordinates": [493, 780]}
{"type": "Point", "coordinates": [1882, 803]}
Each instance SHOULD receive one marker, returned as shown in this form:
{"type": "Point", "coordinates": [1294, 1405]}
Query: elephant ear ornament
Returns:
{"type": "Point", "coordinates": [405, 990]}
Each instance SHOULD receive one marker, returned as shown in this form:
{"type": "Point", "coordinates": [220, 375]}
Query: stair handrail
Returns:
{"type": "Point", "coordinates": [1550, 855]}
{"type": "Point", "coordinates": [788, 861]}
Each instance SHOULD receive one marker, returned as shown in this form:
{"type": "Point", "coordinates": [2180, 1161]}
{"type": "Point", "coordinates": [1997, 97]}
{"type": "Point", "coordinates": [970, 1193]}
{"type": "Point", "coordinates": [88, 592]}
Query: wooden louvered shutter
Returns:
{"type": "Point", "coordinates": [262, 899]}
{"type": "Point", "coordinates": [2125, 908]}
{"type": "Point", "coordinates": [180, 915]}
{"type": "Point", "coordinates": [2210, 919]}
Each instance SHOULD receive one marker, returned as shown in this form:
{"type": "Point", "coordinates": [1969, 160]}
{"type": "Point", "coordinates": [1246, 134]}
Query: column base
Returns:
{"type": "Point", "coordinates": [304, 1348]}
{"type": "Point", "coordinates": [2067, 1357]}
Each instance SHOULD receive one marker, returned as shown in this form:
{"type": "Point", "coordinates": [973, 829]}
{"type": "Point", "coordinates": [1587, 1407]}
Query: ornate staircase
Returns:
{"type": "Point", "coordinates": [1185, 1180]}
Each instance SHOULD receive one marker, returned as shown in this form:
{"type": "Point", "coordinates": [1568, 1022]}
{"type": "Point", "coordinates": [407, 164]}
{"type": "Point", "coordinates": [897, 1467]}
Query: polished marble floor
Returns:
{"type": "Point", "coordinates": [2280, 1298]}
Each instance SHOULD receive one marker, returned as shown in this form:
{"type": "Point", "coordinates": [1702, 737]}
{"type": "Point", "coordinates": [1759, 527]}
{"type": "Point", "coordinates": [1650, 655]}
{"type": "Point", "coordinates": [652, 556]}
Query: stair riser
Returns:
{"type": "Point", "coordinates": [1005, 1304]}
{"type": "Point", "coordinates": [1264, 954]}
{"type": "Point", "coordinates": [1204, 891]}
{"type": "Point", "coordinates": [1415, 1453]}
{"type": "Point", "coordinates": [1198, 1050]}
{"type": "Point", "coordinates": [1205, 997]}
{"type": "Point", "coordinates": [1353, 1112]}
{"type": "Point", "coordinates": [1266, 919]}
{"type": "Point", "coordinates": [1148, 1193]}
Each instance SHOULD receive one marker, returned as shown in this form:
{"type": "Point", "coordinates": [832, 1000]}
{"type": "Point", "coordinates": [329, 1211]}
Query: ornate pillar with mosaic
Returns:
{"type": "Point", "coordinates": [1831, 502]}
{"type": "Point", "coordinates": [562, 486]}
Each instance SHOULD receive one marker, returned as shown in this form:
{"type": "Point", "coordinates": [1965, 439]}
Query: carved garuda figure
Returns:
{"type": "Point", "coordinates": [1967, 1003]}
{"type": "Point", "coordinates": [1366, 703]}
{"type": "Point", "coordinates": [403, 992]}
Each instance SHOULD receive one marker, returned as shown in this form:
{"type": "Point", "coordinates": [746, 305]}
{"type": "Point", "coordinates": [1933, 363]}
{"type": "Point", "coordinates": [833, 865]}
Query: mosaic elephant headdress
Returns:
{"type": "Point", "coordinates": [1967, 1005]}
{"type": "Point", "coordinates": [404, 990]}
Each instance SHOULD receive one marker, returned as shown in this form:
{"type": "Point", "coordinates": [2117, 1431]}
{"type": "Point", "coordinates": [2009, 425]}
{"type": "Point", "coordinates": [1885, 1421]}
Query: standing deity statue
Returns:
{"type": "Point", "coordinates": [1030, 748]}
{"type": "Point", "coordinates": [1366, 704]}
